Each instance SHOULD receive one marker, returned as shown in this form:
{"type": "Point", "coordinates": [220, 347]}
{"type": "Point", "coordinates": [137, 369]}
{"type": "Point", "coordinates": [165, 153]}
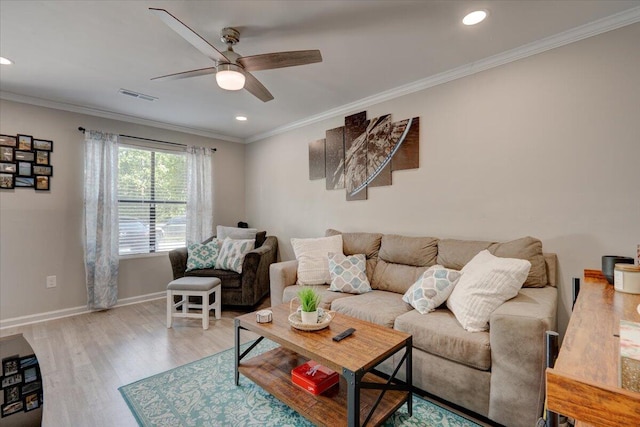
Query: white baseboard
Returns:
{"type": "Point", "coordinates": [74, 311]}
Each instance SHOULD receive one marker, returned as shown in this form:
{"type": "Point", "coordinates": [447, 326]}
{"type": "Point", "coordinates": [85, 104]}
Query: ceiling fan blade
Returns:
{"type": "Point", "coordinates": [189, 35]}
{"type": "Point", "coordinates": [185, 74]}
{"type": "Point", "coordinates": [269, 61]}
{"type": "Point", "coordinates": [256, 88]}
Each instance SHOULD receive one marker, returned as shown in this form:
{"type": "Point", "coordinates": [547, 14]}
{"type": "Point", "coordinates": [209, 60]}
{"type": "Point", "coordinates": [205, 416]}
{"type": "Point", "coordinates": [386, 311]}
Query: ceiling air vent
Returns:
{"type": "Point", "coordinates": [133, 94]}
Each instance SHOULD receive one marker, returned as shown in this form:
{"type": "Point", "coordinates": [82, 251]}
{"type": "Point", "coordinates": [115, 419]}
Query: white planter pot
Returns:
{"type": "Point", "coordinates": [309, 317]}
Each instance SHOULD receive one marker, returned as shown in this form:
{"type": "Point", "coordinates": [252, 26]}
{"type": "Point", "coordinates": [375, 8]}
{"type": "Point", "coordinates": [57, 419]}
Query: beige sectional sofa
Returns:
{"type": "Point", "coordinates": [499, 373]}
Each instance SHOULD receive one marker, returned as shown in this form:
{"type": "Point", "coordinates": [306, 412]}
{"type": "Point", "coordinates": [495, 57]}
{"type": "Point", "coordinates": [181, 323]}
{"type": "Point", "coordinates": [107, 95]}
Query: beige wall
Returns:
{"type": "Point", "coordinates": [547, 146]}
{"type": "Point", "coordinates": [41, 232]}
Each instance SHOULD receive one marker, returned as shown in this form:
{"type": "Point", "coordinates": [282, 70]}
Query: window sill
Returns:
{"type": "Point", "coordinates": [146, 255]}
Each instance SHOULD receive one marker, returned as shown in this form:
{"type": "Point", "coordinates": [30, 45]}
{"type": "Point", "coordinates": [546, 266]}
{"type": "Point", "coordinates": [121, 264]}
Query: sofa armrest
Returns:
{"type": "Point", "coordinates": [517, 338]}
{"type": "Point", "coordinates": [178, 258]}
{"type": "Point", "coordinates": [282, 274]}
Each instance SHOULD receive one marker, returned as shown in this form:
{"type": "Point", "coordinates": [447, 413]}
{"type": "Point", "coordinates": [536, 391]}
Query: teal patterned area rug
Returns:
{"type": "Point", "coordinates": [202, 393]}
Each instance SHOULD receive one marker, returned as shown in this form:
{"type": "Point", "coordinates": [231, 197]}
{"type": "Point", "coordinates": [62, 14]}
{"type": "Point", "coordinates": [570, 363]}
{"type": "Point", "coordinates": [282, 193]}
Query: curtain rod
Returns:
{"type": "Point", "coordinates": [81, 129]}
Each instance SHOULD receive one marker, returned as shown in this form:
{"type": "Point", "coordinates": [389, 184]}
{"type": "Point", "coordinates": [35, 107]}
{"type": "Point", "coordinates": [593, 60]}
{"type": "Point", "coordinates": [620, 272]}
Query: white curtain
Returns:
{"type": "Point", "coordinates": [101, 218]}
{"type": "Point", "coordinates": [199, 194]}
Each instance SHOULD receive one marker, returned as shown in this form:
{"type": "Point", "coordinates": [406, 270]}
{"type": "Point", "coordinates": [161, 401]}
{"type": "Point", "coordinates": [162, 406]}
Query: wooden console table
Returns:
{"type": "Point", "coordinates": [584, 383]}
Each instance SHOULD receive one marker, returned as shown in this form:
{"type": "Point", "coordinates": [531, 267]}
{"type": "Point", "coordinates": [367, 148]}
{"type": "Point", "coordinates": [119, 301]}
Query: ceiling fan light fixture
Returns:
{"type": "Point", "coordinates": [5, 61]}
{"type": "Point", "coordinates": [475, 17]}
{"type": "Point", "coordinates": [230, 77]}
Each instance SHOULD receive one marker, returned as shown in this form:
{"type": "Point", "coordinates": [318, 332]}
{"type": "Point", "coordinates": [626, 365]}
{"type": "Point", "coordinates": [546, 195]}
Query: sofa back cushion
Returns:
{"type": "Point", "coordinates": [455, 254]}
{"type": "Point", "coordinates": [360, 243]}
{"type": "Point", "coordinates": [401, 261]}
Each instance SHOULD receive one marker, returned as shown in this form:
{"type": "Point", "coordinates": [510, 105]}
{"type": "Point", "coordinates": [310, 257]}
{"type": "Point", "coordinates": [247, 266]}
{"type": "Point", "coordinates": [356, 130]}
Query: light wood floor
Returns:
{"type": "Point", "coordinates": [85, 358]}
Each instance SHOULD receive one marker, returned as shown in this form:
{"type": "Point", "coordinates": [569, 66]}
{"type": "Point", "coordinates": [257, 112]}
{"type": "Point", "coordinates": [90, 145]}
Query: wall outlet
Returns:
{"type": "Point", "coordinates": [51, 282]}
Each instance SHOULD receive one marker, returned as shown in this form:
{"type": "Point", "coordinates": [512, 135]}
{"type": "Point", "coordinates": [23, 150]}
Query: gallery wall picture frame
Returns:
{"type": "Point", "coordinates": [10, 365]}
{"type": "Point", "coordinates": [6, 167]}
{"type": "Point", "coordinates": [31, 402]}
{"type": "Point", "coordinates": [25, 142]}
{"type": "Point", "coordinates": [10, 380]}
{"type": "Point", "coordinates": [12, 408]}
{"type": "Point", "coordinates": [7, 181]}
{"type": "Point", "coordinates": [25, 156]}
{"type": "Point", "coordinates": [43, 183]}
{"type": "Point", "coordinates": [6, 154]}
{"type": "Point", "coordinates": [24, 182]}
{"type": "Point", "coordinates": [42, 170]}
{"type": "Point", "coordinates": [31, 387]}
{"type": "Point", "coordinates": [12, 394]}
{"type": "Point", "coordinates": [42, 157]}
{"type": "Point", "coordinates": [27, 361]}
{"type": "Point", "coordinates": [43, 144]}
{"type": "Point", "coordinates": [25, 169]}
{"type": "Point", "coordinates": [8, 141]}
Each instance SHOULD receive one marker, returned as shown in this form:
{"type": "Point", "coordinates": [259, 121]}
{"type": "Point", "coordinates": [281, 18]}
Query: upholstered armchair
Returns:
{"type": "Point", "coordinates": [238, 289]}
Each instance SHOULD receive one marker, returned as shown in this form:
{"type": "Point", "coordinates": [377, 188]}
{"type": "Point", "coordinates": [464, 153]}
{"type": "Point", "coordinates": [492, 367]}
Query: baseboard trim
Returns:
{"type": "Point", "coordinates": [73, 311]}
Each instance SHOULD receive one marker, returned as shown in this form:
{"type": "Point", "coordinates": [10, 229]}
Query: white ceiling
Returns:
{"type": "Point", "coordinates": [76, 55]}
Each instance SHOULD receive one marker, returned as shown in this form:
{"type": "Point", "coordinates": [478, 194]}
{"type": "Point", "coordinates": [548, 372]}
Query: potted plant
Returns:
{"type": "Point", "coordinates": [309, 301]}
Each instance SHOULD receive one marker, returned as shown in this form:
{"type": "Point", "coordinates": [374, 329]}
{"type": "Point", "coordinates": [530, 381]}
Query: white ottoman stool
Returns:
{"type": "Point", "coordinates": [191, 286]}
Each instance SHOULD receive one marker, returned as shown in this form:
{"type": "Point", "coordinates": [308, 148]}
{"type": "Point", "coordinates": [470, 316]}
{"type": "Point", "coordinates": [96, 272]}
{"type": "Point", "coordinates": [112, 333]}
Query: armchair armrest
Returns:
{"type": "Point", "coordinates": [517, 338]}
{"type": "Point", "coordinates": [282, 274]}
{"type": "Point", "coordinates": [178, 258]}
{"type": "Point", "coordinates": [255, 269]}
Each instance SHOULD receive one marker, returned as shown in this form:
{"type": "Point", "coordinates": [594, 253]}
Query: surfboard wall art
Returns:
{"type": "Point", "coordinates": [364, 153]}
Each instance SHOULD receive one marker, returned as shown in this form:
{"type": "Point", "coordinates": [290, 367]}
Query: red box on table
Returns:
{"type": "Point", "coordinates": [314, 377]}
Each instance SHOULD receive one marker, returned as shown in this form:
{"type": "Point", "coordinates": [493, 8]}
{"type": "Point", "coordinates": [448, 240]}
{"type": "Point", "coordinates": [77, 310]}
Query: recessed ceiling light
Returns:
{"type": "Point", "coordinates": [241, 118]}
{"type": "Point", "coordinates": [474, 17]}
{"type": "Point", "coordinates": [5, 61]}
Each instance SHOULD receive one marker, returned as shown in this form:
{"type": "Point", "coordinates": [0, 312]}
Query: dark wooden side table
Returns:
{"type": "Point", "coordinates": [584, 382]}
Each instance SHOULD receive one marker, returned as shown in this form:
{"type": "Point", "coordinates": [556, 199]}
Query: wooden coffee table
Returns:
{"type": "Point", "coordinates": [361, 395]}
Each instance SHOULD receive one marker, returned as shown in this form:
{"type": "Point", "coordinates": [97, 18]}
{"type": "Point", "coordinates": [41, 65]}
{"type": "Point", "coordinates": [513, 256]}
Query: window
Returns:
{"type": "Point", "coordinates": [152, 198]}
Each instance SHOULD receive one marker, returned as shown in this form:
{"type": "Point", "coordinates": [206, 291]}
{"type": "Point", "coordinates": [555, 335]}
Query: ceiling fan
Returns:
{"type": "Point", "coordinates": [232, 70]}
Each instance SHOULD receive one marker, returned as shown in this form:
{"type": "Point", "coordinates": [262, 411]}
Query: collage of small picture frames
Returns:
{"type": "Point", "coordinates": [25, 162]}
{"type": "Point", "coordinates": [21, 384]}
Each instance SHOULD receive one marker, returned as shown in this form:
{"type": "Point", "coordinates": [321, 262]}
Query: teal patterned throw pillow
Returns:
{"type": "Point", "coordinates": [432, 288]}
{"type": "Point", "coordinates": [232, 254]}
{"type": "Point", "coordinates": [348, 273]}
{"type": "Point", "coordinates": [201, 255]}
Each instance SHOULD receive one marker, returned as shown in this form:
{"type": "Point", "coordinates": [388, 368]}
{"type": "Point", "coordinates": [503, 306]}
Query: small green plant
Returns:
{"type": "Point", "coordinates": [309, 299]}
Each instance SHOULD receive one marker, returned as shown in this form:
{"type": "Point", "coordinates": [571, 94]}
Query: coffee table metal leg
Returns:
{"type": "Point", "coordinates": [353, 398]}
{"type": "Point", "coordinates": [237, 350]}
{"type": "Point", "coordinates": [409, 377]}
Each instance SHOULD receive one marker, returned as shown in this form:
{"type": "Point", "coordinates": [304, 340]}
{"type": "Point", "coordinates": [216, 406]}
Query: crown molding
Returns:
{"type": "Point", "coordinates": [618, 20]}
{"type": "Point", "coordinates": [41, 102]}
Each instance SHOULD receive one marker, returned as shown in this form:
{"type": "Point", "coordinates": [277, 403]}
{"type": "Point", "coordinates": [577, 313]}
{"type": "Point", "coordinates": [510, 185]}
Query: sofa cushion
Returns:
{"type": "Point", "coordinates": [395, 277]}
{"type": "Point", "coordinates": [202, 255]}
{"type": "Point", "coordinates": [432, 288]}
{"type": "Point", "coordinates": [261, 237]}
{"type": "Point", "coordinates": [361, 243]}
{"type": "Point", "coordinates": [456, 253]}
{"type": "Point", "coordinates": [348, 273]}
{"type": "Point", "coordinates": [487, 282]}
{"type": "Point", "coordinates": [313, 258]}
{"type": "Point", "coordinates": [439, 333]}
{"type": "Point", "coordinates": [326, 296]}
{"type": "Point", "coordinates": [378, 307]}
{"type": "Point", "coordinates": [527, 248]}
{"type": "Point", "coordinates": [232, 253]}
{"type": "Point", "coordinates": [414, 251]}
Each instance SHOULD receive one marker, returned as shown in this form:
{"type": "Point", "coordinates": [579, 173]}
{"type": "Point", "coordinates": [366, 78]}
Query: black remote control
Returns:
{"type": "Point", "coordinates": [343, 335]}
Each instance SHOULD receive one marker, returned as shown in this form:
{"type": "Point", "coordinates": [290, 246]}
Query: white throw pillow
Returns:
{"type": "Point", "coordinates": [432, 288]}
{"type": "Point", "coordinates": [312, 255]}
{"type": "Point", "coordinates": [348, 273]}
{"type": "Point", "coordinates": [203, 255]}
{"type": "Point", "coordinates": [487, 282]}
{"type": "Point", "coordinates": [232, 254]}
{"type": "Point", "coordinates": [223, 232]}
